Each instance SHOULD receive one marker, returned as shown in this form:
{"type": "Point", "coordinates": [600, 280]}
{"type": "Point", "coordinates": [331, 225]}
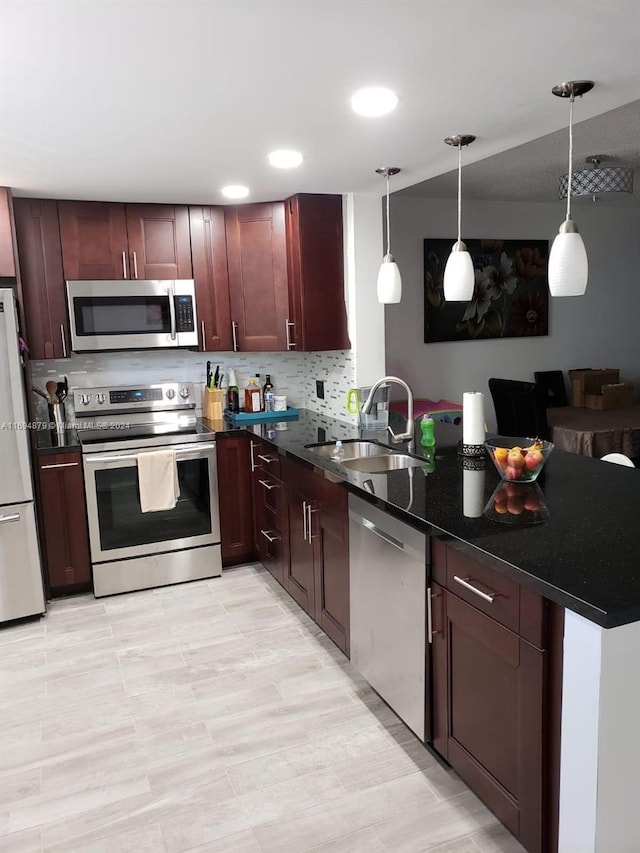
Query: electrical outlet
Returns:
{"type": "Point", "coordinates": [320, 389]}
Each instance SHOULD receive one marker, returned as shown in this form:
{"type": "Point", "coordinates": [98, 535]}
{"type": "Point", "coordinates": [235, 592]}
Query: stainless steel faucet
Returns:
{"type": "Point", "coordinates": [407, 435]}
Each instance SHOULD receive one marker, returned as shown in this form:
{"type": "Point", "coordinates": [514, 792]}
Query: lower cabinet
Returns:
{"type": "Point", "coordinates": [495, 708]}
{"type": "Point", "coordinates": [65, 535]}
{"type": "Point", "coordinates": [234, 498]}
{"type": "Point", "coordinates": [271, 520]}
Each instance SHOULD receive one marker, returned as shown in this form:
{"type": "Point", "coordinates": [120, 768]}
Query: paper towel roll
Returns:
{"type": "Point", "coordinates": [472, 493]}
{"type": "Point", "coordinates": [473, 417]}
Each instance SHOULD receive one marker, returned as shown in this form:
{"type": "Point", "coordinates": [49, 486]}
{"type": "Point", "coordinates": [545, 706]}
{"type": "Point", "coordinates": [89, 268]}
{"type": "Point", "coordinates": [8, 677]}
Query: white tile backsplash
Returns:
{"type": "Point", "coordinates": [293, 374]}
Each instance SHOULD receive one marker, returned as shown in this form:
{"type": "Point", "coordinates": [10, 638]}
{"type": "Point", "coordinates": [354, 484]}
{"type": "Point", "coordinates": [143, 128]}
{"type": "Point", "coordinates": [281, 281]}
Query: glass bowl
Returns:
{"type": "Point", "coordinates": [517, 504]}
{"type": "Point", "coordinates": [518, 459]}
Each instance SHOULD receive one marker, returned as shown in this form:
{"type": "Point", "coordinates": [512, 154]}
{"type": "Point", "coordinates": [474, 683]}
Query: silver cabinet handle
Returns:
{"type": "Point", "coordinates": [268, 485]}
{"type": "Point", "coordinates": [202, 335]}
{"type": "Point", "coordinates": [265, 533]}
{"type": "Point", "coordinates": [484, 595]}
{"type": "Point", "coordinates": [64, 341]}
{"type": "Point", "coordinates": [430, 631]}
{"type": "Point", "coordinates": [234, 333]}
{"type": "Point", "coordinates": [381, 533]}
{"type": "Point", "coordinates": [267, 459]}
{"type": "Point", "coordinates": [304, 520]}
{"type": "Point", "coordinates": [124, 265]}
{"type": "Point", "coordinates": [135, 264]}
{"type": "Point", "coordinates": [289, 325]}
{"type": "Point", "coordinates": [252, 446]}
{"type": "Point", "coordinates": [310, 510]}
{"type": "Point", "coordinates": [172, 310]}
{"type": "Point", "coordinates": [13, 517]}
{"type": "Point", "coordinates": [59, 465]}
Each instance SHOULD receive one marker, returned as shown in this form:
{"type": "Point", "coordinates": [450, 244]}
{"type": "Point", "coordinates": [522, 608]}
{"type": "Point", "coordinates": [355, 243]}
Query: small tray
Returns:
{"type": "Point", "coordinates": [261, 417]}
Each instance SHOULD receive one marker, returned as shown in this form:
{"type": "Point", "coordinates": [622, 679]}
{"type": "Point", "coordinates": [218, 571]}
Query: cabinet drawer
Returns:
{"type": "Point", "coordinates": [266, 456]}
{"type": "Point", "coordinates": [486, 590]}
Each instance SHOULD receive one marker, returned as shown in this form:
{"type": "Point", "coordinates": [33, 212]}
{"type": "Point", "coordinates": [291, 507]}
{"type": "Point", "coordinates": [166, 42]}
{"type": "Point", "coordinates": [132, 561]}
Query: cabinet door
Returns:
{"type": "Point", "coordinates": [257, 259]}
{"type": "Point", "coordinates": [7, 258]}
{"type": "Point", "coordinates": [234, 497]}
{"type": "Point", "coordinates": [315, 257]}
{"type": "Point", "coordinates": [159, 242]}
{"type": "Point", "coordinates": [43, 294]}
{"type": "Point", "coordinates": [94, 240]}
{"type": "Point", "coordinates": [209, 256]}
{"type": "Point", "coordinates": [495, 717]}
{"type": "Point", "coordinates": [332, 575]}
{"type": "Point", "coordinates": [300, 569]}
{"type": "Point", "coordinates": [63, 513]}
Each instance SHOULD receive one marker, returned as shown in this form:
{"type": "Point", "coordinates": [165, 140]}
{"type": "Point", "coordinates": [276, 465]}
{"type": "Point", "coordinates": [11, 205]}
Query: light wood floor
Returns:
{"type": "Point", "coordinates": [211, 716]}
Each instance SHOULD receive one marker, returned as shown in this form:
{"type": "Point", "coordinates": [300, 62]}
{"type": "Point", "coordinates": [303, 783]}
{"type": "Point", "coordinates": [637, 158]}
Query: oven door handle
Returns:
{"type": "Point", "coordinates": [124, 457]}
{"type": "Point", "coordinates": [172, 310]}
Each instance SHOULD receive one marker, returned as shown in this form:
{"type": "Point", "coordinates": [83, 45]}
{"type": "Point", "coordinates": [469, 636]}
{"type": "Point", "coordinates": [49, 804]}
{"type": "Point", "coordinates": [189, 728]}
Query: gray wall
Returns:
{"type": "Point", "coordinates": [599, 329]}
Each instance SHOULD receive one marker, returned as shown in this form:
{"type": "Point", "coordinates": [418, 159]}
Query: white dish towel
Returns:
{"type": "Point", "coordinates": [158, 480]}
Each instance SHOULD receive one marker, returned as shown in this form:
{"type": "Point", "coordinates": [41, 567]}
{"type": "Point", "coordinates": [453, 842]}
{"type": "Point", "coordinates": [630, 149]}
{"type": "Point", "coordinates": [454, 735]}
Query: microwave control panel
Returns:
{"type": "Point", "coordinates": [184, 314]}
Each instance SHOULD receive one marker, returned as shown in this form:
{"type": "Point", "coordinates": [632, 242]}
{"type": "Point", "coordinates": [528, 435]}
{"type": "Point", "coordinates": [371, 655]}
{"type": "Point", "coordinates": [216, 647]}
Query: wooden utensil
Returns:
{"type": "Point", "coordinates": [52, 388]}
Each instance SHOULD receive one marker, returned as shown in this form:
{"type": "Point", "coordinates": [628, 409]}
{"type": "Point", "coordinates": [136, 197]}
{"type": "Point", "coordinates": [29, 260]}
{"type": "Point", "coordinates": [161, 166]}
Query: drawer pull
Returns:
{"type": "Point", "coordinates": [60, 465]}
{"type": "Point", "coordinates": [268, 485]}
{"type": "Point", "coordinates": [265, 533]}
{"type": "Point", "coordinates": [486, 596]}
{"type": "Point", "coordinates": [267, 459]}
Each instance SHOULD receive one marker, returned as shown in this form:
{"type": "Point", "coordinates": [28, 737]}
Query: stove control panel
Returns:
{"type": "Point", "coordinates": [156, 397]}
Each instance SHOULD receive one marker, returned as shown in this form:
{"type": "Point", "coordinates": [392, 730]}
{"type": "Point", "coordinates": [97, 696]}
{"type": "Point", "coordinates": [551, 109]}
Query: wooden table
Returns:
{"type": "Point", "coordinates": [595, 433]}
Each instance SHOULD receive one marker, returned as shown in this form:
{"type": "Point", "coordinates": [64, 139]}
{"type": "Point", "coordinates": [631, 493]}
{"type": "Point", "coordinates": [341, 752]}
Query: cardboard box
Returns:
{"type": "Point", "coordinates": [611, 397]}
{"type": "Point", "coordinates": [590, 382]}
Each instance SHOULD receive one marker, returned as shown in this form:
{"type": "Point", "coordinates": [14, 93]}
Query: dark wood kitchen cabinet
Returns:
{"type": "Point", "coordinates": [209, 257]}
{"type": "Point", "coordinates": [257, 263]}
{"type": "Point", "coordinates": [43, 294]}
{"type": "Point", "coordinates": [271, 519]}
{"type": "Point", "coordinates": [110, 240]}
{"type": "Point", "coordinates": [317, 572]}
{"type": "Point", "coordinates": [495, 653]}
{"type": "Point", "coordinates": [65, 535]}
{"type": "Point", "coordinates": [315, 263]}
{"type": "Point", "coordinates": [234, 498]}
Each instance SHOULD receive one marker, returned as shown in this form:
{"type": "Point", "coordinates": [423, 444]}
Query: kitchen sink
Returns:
{"type": "Point", "coordinates": [350, 450]}
{"type": "Point", "coordinates": [366, 456]}
{"type": "Point", "coordinates": [381, 464]}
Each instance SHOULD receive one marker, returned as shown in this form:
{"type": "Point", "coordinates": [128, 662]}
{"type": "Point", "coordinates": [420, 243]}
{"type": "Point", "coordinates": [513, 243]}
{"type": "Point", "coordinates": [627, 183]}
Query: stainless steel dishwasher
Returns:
{"type": "Point", "coordinates": [388, 602]}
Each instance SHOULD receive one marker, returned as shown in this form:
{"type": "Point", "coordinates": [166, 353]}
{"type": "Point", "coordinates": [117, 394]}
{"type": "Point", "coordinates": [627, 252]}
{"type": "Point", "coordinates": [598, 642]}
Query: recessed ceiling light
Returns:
{"type": "Point", "coordinates": [374, 101]}
{"type": "Point", "coordinates": [285, 159]}
{"type": "Point", "coordinates": [235, 191]}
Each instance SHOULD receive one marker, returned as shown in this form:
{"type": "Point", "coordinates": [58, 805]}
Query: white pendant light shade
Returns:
{"type": "Point", "coordinates": [459, 277]}
{"type": "Point", "coordinates": [568, 264]}
{"type": "Point", "coordinates": [389, 282]}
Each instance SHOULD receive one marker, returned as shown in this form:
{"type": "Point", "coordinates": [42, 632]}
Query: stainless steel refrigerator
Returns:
{"type": "Point", "coordinates": [21, 590]}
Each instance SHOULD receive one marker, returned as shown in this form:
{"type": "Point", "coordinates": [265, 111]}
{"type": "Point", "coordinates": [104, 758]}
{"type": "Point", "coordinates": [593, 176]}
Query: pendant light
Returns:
{"type": "Point", "coordinates": [459, 277]}
{"type": "Point", "coordinates": [389, 282]}
{"type": "Point", "coordinates": [568, 265]}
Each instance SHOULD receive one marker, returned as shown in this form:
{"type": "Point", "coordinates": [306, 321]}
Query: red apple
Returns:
{"type": "Point", "coordinates": [515, 459]}
{"type": "Point", "coordinates": [513, 473]}
{"type": "Point", "coordinates": [533, 460]}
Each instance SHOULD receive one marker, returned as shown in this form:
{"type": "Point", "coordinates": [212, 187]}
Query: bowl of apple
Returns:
{"type": "Point", "coordinates": [518, 459]}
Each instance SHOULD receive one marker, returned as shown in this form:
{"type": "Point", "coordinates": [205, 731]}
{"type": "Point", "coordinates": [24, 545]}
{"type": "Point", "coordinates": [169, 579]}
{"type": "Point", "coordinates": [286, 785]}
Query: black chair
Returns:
{"type": "Point", "coordinates": [552, 384]}
{"type": "Point", "coordinates": [520, 408]}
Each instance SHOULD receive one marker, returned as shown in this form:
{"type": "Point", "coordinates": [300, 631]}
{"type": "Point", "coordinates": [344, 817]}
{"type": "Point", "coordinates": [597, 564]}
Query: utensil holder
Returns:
{"type": "Point", "coordinates": [213, 404]}
{"type": "Point", "coordinates": [57, 417]}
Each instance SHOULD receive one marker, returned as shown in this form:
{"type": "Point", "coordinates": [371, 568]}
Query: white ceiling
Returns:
{"type": "Point", "coordinates": [168, 100]}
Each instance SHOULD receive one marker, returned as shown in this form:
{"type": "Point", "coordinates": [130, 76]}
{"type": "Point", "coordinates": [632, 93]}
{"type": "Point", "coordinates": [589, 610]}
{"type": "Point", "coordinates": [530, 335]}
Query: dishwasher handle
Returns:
{"type": "Point", "coordinates": [391, 540]}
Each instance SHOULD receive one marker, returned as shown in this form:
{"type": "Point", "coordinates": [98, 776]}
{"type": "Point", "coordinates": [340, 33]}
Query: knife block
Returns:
{"type": "Point", "coordinates": [212, 404]}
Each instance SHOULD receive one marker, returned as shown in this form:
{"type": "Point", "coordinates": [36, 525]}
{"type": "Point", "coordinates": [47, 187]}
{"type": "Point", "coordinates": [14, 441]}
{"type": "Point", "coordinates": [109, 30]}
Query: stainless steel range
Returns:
{"type": "Point", "coordinates": [131, 549]}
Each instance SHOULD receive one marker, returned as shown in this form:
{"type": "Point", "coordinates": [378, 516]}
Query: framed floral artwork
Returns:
{"type": "Point", "coordinates": [510, 298]}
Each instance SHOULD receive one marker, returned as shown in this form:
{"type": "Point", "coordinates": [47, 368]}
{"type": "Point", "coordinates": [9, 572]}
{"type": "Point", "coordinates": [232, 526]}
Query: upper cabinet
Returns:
{"type": "Point", "coordinates": [209, 256]}
{"type": "Point", "coordinates": [108, 240]}
{"type": "Point", "coordinates": [315, 259]}
{"type": "Point", "coordinates": [7, 260]}
{"type": "Point", "coordinates": [257, 261]}
{"type": "Point", "coordinates": [40, 259]}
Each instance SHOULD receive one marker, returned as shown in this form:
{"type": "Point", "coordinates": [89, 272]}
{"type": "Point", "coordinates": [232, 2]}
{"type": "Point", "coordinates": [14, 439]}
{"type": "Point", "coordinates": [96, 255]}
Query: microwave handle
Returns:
{"type": "Point", "coordinates": [172, 310]}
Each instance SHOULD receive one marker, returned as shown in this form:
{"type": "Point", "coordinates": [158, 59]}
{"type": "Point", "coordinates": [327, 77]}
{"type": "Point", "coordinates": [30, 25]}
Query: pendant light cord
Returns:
{"type": "Point", "coordinates": [570, 155]}
{"type": "Point", "coordinates": [388, 235]}
{"type": "Point", "coordinates": [459, 191]}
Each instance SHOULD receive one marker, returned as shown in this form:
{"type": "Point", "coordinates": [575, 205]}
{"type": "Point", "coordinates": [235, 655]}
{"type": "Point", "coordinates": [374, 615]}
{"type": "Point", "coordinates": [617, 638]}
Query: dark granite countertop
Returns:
{"type": "Point", "coordinates": [49, 441]}
{"type": "Point", "coordinates": [585, 556]}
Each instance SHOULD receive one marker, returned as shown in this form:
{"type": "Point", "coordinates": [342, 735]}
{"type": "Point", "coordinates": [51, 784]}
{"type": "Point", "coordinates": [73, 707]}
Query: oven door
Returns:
{"type": "Point", "coordinates": [118, 529]}
{"type": "Point", "coordinates": [120, 315]}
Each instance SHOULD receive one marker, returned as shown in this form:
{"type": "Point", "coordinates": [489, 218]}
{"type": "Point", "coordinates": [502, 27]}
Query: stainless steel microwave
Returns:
{"type": "Point", "coordinates": [127, 315]}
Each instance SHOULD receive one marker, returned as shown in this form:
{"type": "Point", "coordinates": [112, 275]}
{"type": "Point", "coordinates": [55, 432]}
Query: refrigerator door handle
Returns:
{"type": "Point", "coordinates": [15, 516]}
